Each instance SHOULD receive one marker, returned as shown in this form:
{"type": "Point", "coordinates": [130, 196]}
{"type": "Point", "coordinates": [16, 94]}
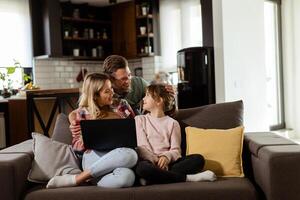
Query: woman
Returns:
{"type": "Point", "coordinates": [113, 167]}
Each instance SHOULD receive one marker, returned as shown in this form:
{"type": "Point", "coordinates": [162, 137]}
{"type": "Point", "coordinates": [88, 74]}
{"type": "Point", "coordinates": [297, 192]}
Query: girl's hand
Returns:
{"type": "Point", "coordinates": [163, 162]}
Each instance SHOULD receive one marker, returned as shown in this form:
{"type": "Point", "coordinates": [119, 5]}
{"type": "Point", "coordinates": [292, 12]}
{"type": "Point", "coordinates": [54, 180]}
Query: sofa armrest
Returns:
{"type": "Point", "coordinates": [15, 163]}
{"type": "Point", "coordinates": [275, 165]}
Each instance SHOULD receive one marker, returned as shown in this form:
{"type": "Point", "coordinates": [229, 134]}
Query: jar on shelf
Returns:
{"type": "Point", "coordinates": [75, 34]}
{"type": "Point", "coordinates": [86, 33]}
{"type": "Point", "coordinates": [91, 33]}
{"type": "Point", "coordinates": [94, 52]}
{"type": "Point", "coordinates": [98, 35]}
{"type": "Point", "coordinates": [76, 52]}
{"type": "Point", "coordinates": [100, 51]}
{"type": "Point", "coordinates": [66, 34]}
{"type": "Point", "coordinates": [104, 35]}
{"type": "Point", "coordinates": [143, 30]}
{"type": "Point", "coordinates": [145, 9]}
{"type": "Point", "coordinates": [76, 13]}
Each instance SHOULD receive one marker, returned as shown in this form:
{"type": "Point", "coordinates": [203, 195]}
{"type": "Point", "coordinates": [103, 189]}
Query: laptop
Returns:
{"type": "Point", "coordinates": [108, 134]}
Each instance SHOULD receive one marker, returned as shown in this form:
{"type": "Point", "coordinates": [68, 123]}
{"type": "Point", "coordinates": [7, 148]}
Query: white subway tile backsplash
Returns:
{"type": "Point", "coordinates": [42, 75]}
{"type": "Point", "coordinates": [56, 74]}
{"type": "Point", "coordinates": [69, 69]}
{"type": "Point", "coordinates": [70, 80]}
{"type": "Point", "coordinates": [64, 74]}
{"type": "Point", "coordinates": [59, 68]}
{"type": "Point", "coordinates": [65, 63]}
{"type": "Point", "coordinates": [61, 73]}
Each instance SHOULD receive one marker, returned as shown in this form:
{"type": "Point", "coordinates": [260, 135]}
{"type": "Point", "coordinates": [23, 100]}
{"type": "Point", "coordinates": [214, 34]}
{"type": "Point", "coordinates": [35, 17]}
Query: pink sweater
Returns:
{"type": "Point", "coordinates": [157, 137]}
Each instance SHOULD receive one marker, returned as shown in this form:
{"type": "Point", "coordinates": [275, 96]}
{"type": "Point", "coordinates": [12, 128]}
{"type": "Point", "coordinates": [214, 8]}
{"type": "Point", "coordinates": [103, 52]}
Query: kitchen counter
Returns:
{"type": "Point", "coordinates": [52, 92]}
{"type": "Point", "coordinates": [35, 112]}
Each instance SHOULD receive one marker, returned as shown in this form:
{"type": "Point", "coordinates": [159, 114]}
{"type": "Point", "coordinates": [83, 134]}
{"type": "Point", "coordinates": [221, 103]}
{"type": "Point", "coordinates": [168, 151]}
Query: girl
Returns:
{"type": "Point", "coordinates": [113, 167]}
{"type": "Point", "coordinates": [159, 139]}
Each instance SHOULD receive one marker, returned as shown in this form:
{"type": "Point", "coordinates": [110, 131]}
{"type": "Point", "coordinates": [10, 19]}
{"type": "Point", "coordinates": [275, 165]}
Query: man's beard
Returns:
{"type": "Point", "coordinates": [122, 92]}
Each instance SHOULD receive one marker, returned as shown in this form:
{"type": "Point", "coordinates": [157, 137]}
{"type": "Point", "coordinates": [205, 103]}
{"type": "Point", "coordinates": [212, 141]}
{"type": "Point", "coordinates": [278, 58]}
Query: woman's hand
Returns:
{"type": "Point", "coordinates": [75, 128]}
{"type": "Point", "coordinates": [163, 162]}
{"type": "Point", "coordinates": [170, 89]}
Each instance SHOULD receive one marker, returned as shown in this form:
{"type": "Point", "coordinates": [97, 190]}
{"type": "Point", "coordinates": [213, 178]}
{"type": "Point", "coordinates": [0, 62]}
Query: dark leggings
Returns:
{"type": "Point", "coordinates": [177, 172]}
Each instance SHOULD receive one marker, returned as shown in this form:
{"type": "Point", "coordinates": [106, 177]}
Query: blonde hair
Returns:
{"type": "Point", "coordinates": [159, 91]}
{"type": "Point", "coordinates": [91, 87]}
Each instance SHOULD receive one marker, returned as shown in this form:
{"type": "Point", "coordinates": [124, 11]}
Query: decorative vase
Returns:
{"type": "Point", "coordinates": [144, 10]}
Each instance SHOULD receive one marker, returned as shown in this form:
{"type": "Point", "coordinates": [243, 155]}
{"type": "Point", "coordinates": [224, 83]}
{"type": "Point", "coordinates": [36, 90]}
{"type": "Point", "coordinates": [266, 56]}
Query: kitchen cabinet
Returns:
{"type": "Point", "coordinates": [147, 28]}
{"type": "Point", "coordinates": [86, 31]}
{"type": "Point", "coordinates": [123, 29]}
{"type": "Point", "coordinates": [81, 31]}
{"type": "Point", "coordinates": [15, 117]}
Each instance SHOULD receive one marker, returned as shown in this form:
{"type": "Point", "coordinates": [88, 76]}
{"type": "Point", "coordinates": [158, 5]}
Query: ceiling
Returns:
{"type": "Point", "coordinates": [95, 2]}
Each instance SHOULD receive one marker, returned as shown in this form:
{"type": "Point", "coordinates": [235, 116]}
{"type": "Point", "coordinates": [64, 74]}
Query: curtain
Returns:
{"type": "Point", "coordinates": [180, 27]}
{"type": "Point", "coordinates": [15, 33]}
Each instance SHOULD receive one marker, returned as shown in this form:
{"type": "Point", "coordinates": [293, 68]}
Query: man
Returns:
{"type": "Point", "coordinates": [126, 86]}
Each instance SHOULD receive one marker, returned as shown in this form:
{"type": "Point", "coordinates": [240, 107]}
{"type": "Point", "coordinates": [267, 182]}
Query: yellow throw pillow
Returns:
{"type": "Point", "coordinates": [222, 149]}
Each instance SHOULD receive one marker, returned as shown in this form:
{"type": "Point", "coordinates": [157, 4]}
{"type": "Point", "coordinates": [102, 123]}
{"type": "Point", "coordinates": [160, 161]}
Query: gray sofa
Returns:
{"type": "Point", "coordinates": [271, 165]}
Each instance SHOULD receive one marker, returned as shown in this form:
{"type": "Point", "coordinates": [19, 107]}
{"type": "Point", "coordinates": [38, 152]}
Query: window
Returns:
{"type": "Point", "coordinates": [180, 27]}
{"type": "Point", "coordinates": [273, 64]}
{"type": "Point", "coordinates": [15, 37]}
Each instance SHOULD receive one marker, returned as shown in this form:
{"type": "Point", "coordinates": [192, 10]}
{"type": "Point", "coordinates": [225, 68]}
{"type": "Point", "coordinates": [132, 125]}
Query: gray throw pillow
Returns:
{"type": "Point", "coordinates": [61, 131]}
{"type": "Point", "coordinates": [213, 116]}
{"type": "Point", "coordinates": [51, 158]}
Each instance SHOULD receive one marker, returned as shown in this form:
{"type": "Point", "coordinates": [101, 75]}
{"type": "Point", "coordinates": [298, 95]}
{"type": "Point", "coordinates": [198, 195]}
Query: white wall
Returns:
{"type": "Point", "coordinates": [239, 55]}
{"type": "Point", "coordinates": [291, 62]}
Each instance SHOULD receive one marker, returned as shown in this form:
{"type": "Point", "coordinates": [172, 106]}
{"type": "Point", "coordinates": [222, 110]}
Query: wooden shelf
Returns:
{"type": "Point", "coordinates": [144, 16]}
{"type": "Point", "coordinates": [84, 20]}
{"type": "Point", "coordinates": [83, 58]}
{"type": "Point", "coordinates": [87, 40]}
{"type": "Point", "coordinates": [145, 54]}
{"type": "Point", "coordinates": [146, 35]}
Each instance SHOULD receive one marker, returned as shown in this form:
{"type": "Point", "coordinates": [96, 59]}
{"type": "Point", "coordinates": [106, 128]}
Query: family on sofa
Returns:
{"type": "Point", "coordinates": [158, 136]}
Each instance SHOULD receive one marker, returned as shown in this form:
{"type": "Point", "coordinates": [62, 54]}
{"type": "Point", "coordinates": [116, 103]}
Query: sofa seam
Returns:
{"type": "Point", "coordinates": [270, 145]}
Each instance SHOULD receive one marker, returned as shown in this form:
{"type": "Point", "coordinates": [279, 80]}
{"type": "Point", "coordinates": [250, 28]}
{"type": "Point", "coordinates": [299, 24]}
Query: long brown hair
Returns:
{"type": "Point", "coordinates": [159, 91]}
{"type": "Point", "coordinates": [91, 87]}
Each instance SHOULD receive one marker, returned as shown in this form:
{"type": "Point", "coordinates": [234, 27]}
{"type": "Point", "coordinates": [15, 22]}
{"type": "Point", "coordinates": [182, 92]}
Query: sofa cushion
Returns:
{"type": "Point", "coordinates": [214, 116]}
{"type": "Point", "coordinates": [257, 140]}
{"type": "Point", "coordinates": [23, 147]}
{"type": "Point", "coordinates": [217, 116]}
{"type": "Point", "coordinates": [222, 149]}
{"type": "Point", "coordinates": [61, 131]}
{"type": "Point", "coordinates": [51, 158]}
{"type": "Point", "coordinates": [224, 188]}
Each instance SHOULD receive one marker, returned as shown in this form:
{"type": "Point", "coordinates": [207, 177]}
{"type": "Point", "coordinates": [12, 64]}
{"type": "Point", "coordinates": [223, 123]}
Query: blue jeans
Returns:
{"type": "Point", "coordinates": [113, 167]}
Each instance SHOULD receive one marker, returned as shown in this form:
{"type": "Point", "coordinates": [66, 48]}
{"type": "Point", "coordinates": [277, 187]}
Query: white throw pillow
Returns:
{"type": "Point", "coordinates": [51, 158]}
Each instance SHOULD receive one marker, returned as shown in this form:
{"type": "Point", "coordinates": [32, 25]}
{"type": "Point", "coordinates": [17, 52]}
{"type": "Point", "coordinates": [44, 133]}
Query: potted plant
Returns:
{"type": "Point", "coordinates": [7, 81]}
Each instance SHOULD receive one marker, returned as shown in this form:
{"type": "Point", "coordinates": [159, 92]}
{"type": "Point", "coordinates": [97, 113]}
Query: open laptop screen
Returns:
{"type": "Point", "coordinates": [108, 134]}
